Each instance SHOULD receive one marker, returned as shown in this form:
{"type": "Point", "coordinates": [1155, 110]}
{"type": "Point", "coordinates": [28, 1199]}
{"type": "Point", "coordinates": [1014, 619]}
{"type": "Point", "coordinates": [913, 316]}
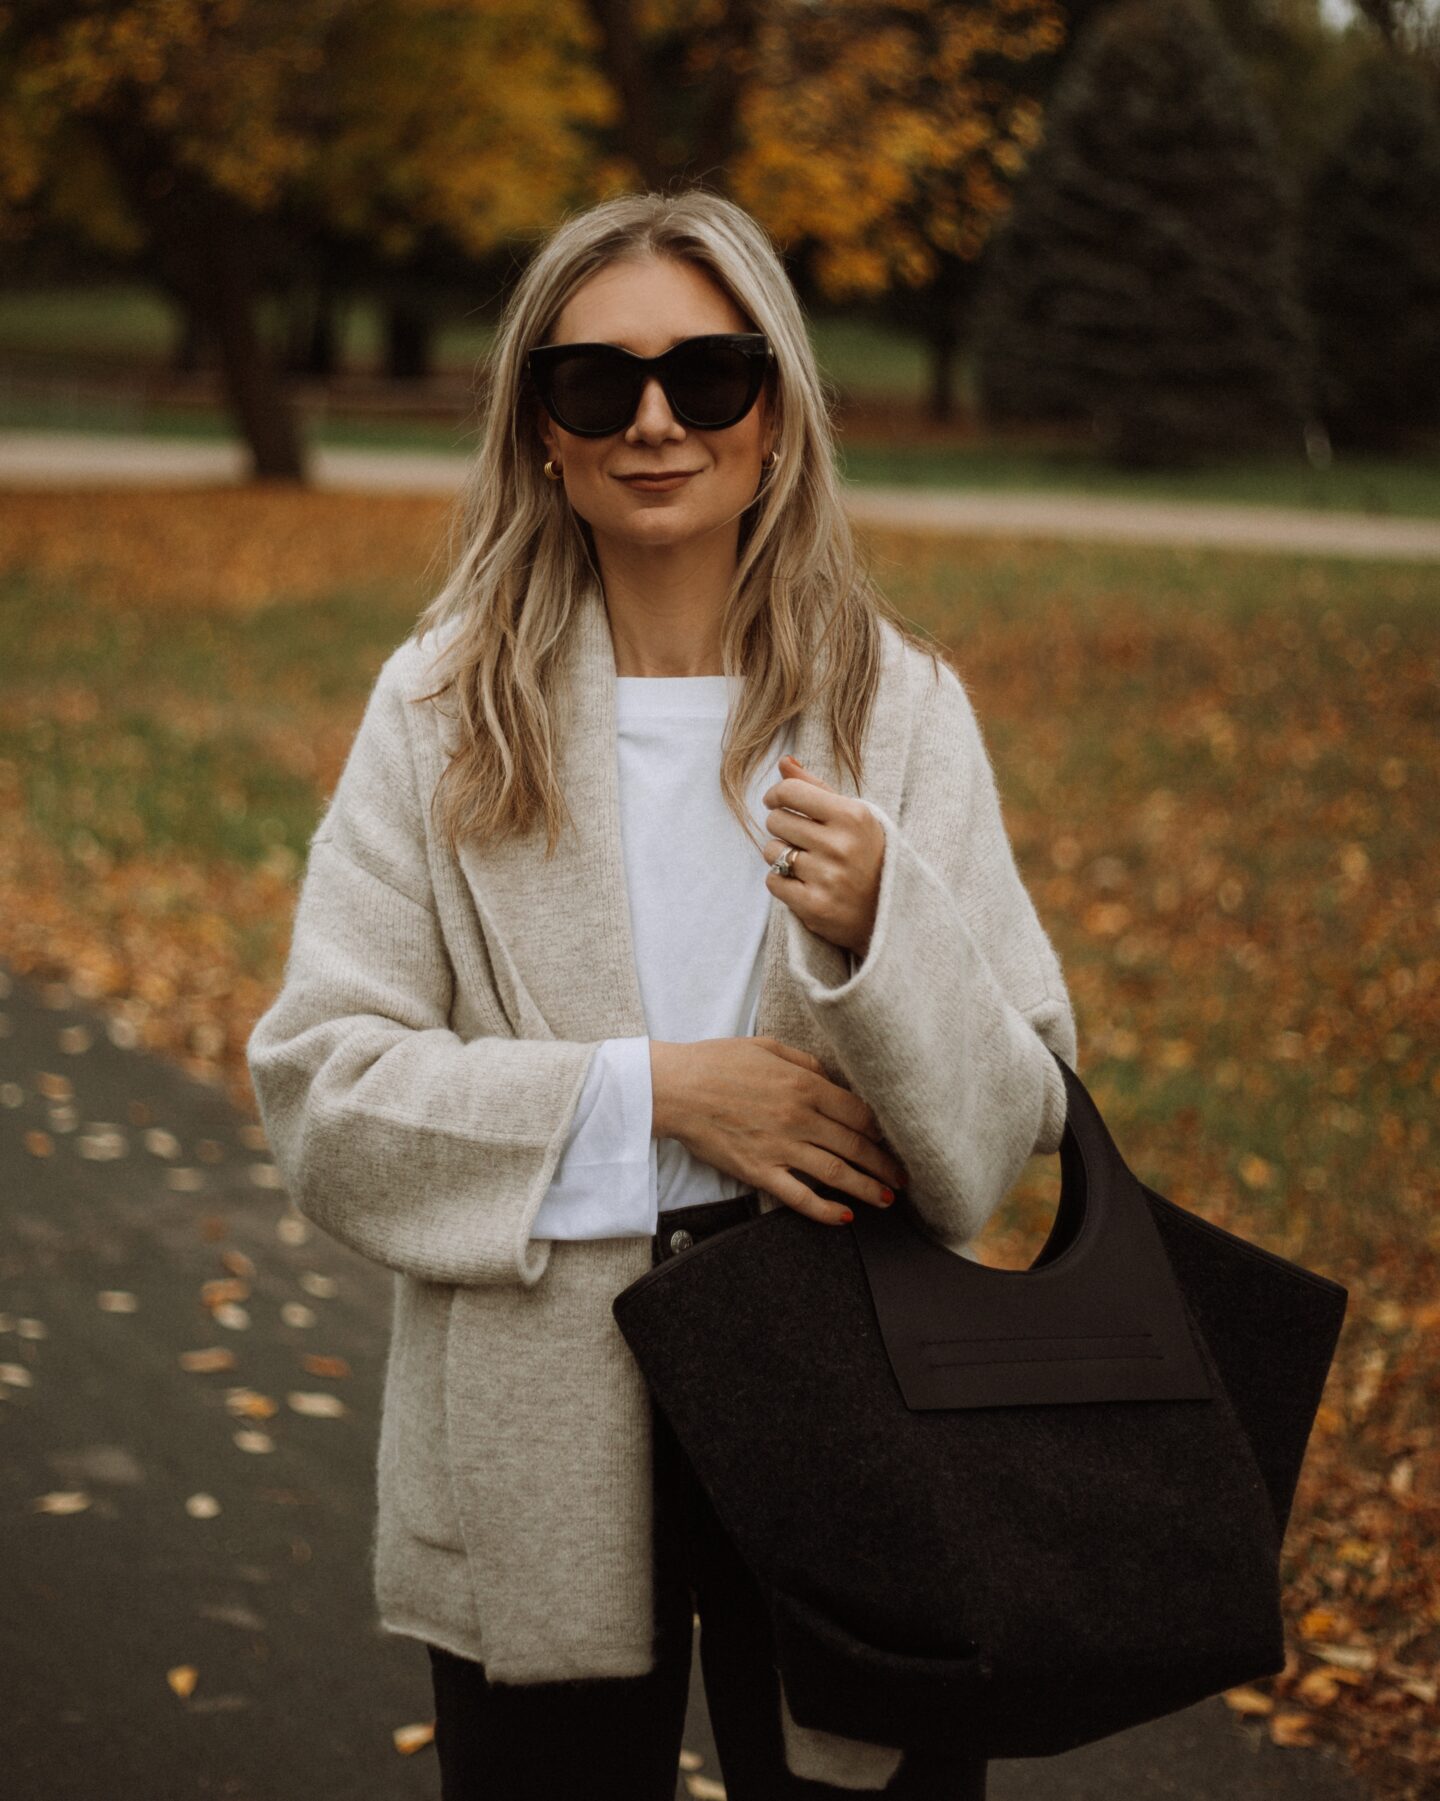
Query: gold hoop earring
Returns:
{"type": "Point", "coordinates": [552, 470]}
{"type": "Point", "coordinates": [768, 462]}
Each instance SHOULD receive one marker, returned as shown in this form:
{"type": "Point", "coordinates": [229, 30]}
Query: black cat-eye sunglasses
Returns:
{"type": "Point", "coordinates": [594, 390]}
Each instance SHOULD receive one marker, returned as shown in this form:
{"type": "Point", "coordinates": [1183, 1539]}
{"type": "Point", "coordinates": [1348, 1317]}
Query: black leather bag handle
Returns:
{"type": "Point", "coordinates": [1098, 1316]}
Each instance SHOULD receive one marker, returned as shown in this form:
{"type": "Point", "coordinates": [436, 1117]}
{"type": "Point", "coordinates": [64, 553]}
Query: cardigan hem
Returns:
{"type": "Point", "coordinates": [449, 1641]}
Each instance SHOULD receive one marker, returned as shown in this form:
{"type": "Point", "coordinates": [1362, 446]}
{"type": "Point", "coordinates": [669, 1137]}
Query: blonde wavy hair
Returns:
{"type": "Point", "coordinates": [520, 556]}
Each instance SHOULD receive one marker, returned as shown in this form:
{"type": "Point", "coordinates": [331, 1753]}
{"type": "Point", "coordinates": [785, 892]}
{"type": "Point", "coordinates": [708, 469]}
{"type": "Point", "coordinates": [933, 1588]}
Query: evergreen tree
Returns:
{"type": "Point", "coordinates": [1372, 262]}
{"type": "Point", "coordinates": [1146, 281]}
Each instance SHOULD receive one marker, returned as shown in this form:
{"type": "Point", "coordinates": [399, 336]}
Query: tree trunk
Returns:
{"type": "Point", "coordinates": [253, 387]}
{"type": "Point", "coordinates": [622, 57]}
{"type": "Point", "coordinates": [189, 348]}
{"type": "Point", "coordinates": [322, 356]}
{"type": "Point", "coordinates": [408, 335]}
{"type": "Point", "coordinates": [205, 249]}
{"type": "Point", "coordinates": [944, 344]}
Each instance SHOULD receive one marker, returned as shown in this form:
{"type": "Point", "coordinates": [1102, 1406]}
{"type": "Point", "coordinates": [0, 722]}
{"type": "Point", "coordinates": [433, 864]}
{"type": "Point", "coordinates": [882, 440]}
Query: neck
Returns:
{"type": "Point", "coordinates": [664, 603]}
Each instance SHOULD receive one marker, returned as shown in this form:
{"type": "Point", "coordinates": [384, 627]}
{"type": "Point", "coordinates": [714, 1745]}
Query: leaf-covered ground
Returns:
{"type": "Point", "coordinates": [1220, 775]}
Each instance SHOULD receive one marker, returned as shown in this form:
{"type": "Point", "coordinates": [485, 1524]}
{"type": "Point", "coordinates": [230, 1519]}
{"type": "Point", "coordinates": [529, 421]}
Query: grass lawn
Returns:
{"type": "Point", "coordinates": [1219, 774]}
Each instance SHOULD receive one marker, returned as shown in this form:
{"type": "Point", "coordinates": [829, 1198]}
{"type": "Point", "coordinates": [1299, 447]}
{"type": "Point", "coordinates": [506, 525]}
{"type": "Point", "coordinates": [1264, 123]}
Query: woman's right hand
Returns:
{"type": "Point", "coordinates": [767, 1114]}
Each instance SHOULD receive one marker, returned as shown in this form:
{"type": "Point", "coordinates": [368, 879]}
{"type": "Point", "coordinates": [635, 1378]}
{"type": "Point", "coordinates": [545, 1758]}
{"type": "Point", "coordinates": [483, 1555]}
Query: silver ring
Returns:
{"type": "Point", "coordinates": [783, 864]}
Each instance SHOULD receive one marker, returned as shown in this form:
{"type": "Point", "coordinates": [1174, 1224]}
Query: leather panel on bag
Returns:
{"type": "Point", "coordinates": [1112, 1324]}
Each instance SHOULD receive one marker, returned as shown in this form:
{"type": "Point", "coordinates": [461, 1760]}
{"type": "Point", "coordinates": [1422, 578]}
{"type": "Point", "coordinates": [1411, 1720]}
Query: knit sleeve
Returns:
{"type": "Point", "coordinates": [947, 1024]}
{"type": "Point", "coordinates": [421, 1150]}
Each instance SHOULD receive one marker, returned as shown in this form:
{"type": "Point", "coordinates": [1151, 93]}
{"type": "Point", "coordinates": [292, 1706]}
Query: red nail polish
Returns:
{"type": "Point", "coordinates": [847, 1217]}
{"type": "Point", "coordinates": [889, 1196]}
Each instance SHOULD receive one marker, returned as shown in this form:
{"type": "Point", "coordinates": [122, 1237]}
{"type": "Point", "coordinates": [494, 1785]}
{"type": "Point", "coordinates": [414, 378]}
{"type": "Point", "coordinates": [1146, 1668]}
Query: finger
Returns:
{"type": "Point", "coordinates": [785, 1187]}
{"type": "Point", "coordinates": [805, 797]}
{"type": "Point", "coordinates": [832, 1171]}
{"type": "Point", "coordinates": [793, 1054]}
{"type": "Point", "coordinates": [797, 769]}
{"type": "Point", "coordinates": [846, 1108]}
{"type": "Point", "coordinates": [869, 1154]}
{"type": "Point", "coordinates": [794, 828]}
{"type": "Point", "coordinates": [775, 848]}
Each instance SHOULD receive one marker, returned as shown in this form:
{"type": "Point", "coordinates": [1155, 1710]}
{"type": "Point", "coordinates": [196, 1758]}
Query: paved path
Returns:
{"type": "Point", "coordinates": [150, 1189]}
{"type": "Point", "coordinates": [40, 459]}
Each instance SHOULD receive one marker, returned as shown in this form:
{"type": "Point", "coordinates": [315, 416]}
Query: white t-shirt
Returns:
{"type": "Point", "coordinates": [698, 908]}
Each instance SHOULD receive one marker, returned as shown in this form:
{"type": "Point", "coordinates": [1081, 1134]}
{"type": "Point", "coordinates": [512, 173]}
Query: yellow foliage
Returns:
{"type": "Point", "coordinates": [882, 144]}
{"type": "Point", "coordinates": [395, 118]}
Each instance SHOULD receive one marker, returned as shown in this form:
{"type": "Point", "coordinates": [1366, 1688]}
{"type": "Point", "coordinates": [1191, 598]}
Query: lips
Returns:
{"type": "Point", "coordinates": [649, 478]}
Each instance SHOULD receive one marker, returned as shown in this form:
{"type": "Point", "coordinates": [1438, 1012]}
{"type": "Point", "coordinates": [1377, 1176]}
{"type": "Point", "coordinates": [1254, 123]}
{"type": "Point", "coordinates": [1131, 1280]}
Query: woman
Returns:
{"type": "Point", "coordinates": [519, 1065]}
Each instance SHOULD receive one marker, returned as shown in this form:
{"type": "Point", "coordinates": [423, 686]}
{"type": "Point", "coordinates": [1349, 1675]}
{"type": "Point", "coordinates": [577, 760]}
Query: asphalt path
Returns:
{"type": "Point", "coordinates": [65, 459]}
{"type": "Point", "coordinates": [161, 1519]}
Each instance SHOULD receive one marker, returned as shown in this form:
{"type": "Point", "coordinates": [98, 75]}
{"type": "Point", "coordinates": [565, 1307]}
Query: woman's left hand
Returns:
{"type": "Point", "coordinates": [840, 847]}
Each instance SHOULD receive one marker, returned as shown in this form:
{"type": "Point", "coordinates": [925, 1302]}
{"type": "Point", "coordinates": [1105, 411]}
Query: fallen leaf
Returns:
{"type": "Point", "coordinates": [1346, 1657]}
{"type": "Point", "coordinates": [72, 1500]}
{"type": "Point", "coordinates": [234, 1318]}
{"type": "Point", "coordinates": [55, 1088]}
{"type": "Point", "coordinates": [324, 1288]}
{"type": "Point", "coordinates": [238, 1264]}
{"type": "Point", "coordinates": [223, 1288]}
{"type": "Point", "coordinates": [117, 1300]}
{"type": "Point", "coordinates": [202, 1507]}
{"type": "Point", "coordinates": [316, 1365]}
{"type": "Point", "coordinates": [39, 1144]}
{"type": "Point", "coordinates": [161, 1143]}
{"type": "Point", "coordinates": [183, 1678]}
{"type": "Point", "coordinates": [296, 1313]}
{"type": "Point", "coordinates": [409, 1739]}
{"type": "Point", "coordinates": [705, 1788]}
{"type": "Point", "coordinates": [101, 1143]}
{"type": "Point", "coordinates": [1247, 1701]}
{"type": "Point", "coordinates": [16, 1375]}
{"type": "Point", "coordinates": [1320, 1622]}
{"type": "Point", "coordinates": [1318, 1687]}
{"type": "Point", "coordinates": [211, 1358]}
{"type": "Point", "coordinates": [246, 1404]}
{"type": "Point", "coordinates": [1255, 1172]}
{"type": "Point", "coordinates": [318, 1406]}
{"type": "Point", "coordinates": [1292, 1729]}
{"type": "Point", "coordinates": [690, 1760]}
{"type": "Point", "coordinates": [256, 1442]}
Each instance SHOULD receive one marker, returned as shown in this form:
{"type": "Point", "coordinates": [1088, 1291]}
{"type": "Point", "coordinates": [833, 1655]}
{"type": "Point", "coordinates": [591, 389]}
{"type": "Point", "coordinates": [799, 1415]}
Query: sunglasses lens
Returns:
{"type": "Point", "coordinates": [593, 393]}
{"type": "Point", "coordinates": [710, 384]}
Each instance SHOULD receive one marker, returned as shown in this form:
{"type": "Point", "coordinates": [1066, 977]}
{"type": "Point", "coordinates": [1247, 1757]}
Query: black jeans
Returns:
{"type": "Point", "coordinates": [619, 1738]}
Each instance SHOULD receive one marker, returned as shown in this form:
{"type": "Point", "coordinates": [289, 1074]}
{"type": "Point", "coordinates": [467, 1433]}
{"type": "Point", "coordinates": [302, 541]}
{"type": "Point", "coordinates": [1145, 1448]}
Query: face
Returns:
{"type": "Point", "coordinates": [646, 306]}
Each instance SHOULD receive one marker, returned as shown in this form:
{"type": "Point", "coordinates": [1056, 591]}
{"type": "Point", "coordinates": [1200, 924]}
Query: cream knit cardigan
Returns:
{"type": "Point", "coordinates": [418, 1071]}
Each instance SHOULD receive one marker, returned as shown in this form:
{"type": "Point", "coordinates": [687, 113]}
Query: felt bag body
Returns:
{"type": "Point", "coordinates": [1012, 1511]}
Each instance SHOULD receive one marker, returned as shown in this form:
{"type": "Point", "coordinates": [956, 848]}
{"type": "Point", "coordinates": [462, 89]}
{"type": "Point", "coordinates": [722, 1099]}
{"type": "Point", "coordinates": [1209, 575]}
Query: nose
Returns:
{"type": "Point", "coordinates": [653, 418]}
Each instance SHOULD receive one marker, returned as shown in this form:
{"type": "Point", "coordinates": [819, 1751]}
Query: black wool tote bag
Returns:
{"type": "Point", "coordinates": [1008, 1511]}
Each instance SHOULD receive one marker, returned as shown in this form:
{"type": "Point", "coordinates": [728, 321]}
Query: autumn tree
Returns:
{"type": "Point", "coordinates": [216, 140]}
{"type": "Point", "coordinates": [1372, 262]}
{"type": "Point", "coordinates": [1145, 283]}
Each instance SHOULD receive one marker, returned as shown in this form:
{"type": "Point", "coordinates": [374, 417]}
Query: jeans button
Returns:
{"type": "Point", "coordinates": [681, 1240]}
